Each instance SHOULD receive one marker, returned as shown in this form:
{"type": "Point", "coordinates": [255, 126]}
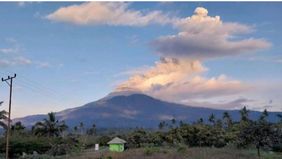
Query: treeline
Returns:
{"type": "Point", "coordinates": [216, 132]}
{"type": "Point", "coordinates": [54, 137]}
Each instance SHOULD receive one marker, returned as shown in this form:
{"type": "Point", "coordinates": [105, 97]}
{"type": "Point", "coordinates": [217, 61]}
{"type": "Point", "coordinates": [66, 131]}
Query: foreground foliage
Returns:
{"type": "Point", "coordinates": [219, 137]}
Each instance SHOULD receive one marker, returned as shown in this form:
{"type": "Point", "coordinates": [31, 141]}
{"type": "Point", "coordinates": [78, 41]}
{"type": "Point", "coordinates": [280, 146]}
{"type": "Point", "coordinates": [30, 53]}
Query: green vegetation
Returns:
{"type": "Point", "coordinates": [219, 137]}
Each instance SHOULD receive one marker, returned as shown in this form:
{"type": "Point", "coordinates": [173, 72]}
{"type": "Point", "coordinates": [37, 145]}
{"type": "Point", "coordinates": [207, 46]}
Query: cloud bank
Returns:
{"type": "Point", "coordinates": [202, 37]}
{"type": "Point", "coordinates": [179, 75]}
{"type": "Point", "coordinates": [176, 80]}
{"type": "Point", "coordinates": [106, 13]}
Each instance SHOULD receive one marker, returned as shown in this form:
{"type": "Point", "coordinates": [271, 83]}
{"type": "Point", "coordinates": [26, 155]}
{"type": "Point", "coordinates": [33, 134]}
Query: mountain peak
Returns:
{"type": "Point", "coordinates": [121, 93]}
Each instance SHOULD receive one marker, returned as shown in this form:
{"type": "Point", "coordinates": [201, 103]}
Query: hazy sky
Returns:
{"type": "Point", "coordinates": [218, 55]}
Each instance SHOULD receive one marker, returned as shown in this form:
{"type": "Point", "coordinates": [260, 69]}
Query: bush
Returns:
{"type": "Point", "coordinates": [220, 143]}
{"type": "Point", "coordinates": [25, 144]}
{"type": "Point", "coordinates": [103, 140]}
{"type": "Point", "coordinates": [150, 150]}
{"type": "Point", "coordinates": [64, 146]}
{"type": "Point", "coordinates": [181, 149]}
{"type": "Point", "coordinates": [41, 145]}
{"type": "Point", "coordinates": [277, 147]}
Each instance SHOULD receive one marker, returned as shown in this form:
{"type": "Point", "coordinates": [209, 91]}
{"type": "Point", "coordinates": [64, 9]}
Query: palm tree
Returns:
{"type": "Point", "coordinates": [50, 127]}
{"type": "Point", "coordinates": [3, 118]}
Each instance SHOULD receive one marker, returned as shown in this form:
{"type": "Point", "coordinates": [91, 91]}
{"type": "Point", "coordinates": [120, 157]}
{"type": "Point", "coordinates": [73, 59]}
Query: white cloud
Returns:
{"type": "Point", "coordinates": [164, 72]}
{"type": "Point", "coordinates": [176, 80]}
{"type": "Point", "coordinates": [202, 36]}
{"type": "Point", "coordinates": [232, 104]}
{"type": "Point", "coordinates": [12, 49]}
{"type": "Point", "coordinates": [24, 4]}
{"type": "Point", "coordinates": [21, 4]}
{"type": "Point", "coordinates": [199, 87]}
{"type": "Point", "coordinates": [8, 50]}
{"type": "Point", "coordinates": [43, 64]}
{"type": "Point", "coordinates": [11, 56]}
{"type": "Point", "coordinates": [14, 56]}
{"type": "Point", "coordinates": [15, 61]}
{"type": "Point", "coordinates": [106, 13]}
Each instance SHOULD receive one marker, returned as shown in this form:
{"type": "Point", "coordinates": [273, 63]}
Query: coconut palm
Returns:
{"type": "Point", "coordinates": [50, 127]}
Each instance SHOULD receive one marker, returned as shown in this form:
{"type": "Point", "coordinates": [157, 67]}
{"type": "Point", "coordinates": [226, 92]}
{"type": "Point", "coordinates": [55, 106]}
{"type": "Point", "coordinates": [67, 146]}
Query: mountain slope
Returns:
{"type": "Point", "coordinates": [123, 111]}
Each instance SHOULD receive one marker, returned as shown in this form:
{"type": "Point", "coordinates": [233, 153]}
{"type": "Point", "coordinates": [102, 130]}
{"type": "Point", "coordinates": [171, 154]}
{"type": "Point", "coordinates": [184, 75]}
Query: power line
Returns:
{"type": "Point", "coordinates": [9, 81]}
{"type": "Point", "coordinates": [39, 89]}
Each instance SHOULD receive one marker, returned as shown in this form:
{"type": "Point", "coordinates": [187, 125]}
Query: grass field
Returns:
{"type": "Point", "coordinates": [177, 153]}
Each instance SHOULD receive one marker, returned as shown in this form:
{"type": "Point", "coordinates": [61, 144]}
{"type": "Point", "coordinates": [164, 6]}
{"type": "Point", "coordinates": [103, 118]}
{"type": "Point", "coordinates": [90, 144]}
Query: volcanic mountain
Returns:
{"type": "Point", "coordinates": [129, 110]}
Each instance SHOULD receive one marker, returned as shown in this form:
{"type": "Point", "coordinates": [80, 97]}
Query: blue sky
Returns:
{"type": "Point", "coordinates": [62, 61]}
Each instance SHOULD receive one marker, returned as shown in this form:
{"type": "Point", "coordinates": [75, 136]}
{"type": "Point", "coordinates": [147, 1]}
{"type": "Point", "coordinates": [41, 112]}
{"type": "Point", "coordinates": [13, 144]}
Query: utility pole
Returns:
{"type": "Point", "coordinates": [9, 81]}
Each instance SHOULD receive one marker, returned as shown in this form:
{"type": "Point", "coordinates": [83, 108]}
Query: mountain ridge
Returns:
{"type": "Point", "coordinates": [134, 110]}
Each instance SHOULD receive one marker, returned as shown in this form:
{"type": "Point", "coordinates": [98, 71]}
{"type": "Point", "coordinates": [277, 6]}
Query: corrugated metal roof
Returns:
{"type": "Point", "coordinates": [117, 140]}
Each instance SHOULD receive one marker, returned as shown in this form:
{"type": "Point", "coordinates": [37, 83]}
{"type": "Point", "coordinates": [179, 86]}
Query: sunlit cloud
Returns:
{"type": "Point", "coordinates": [201, 37]}
{"type": "Point", "coordinates": [175, 80]}
{"type": "Point", "coordinates": [180, 75]}
{"type": "Point", "coordinates": [107, 13]}
{"type": "Point", "coordinates": [164, 72]}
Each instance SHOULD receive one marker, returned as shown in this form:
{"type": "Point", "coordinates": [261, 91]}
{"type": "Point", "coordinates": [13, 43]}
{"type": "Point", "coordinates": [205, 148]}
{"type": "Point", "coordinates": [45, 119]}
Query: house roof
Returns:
{"type": "Point", "coordinates": [117, 140]}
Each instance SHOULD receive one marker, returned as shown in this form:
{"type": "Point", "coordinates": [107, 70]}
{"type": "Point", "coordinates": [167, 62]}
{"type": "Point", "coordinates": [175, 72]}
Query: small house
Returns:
{"type": "Point", "coordinates": [116, 144]}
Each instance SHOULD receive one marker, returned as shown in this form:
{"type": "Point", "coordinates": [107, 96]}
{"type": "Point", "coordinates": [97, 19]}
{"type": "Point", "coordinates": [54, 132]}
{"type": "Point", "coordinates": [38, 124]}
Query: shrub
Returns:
{"type": "Point", "coordinates": [25, 144]}
{"type": "Point", "coordinates": [103, 140]}
{"type": "Point", "coordinates": [277, 147]}
{"type": "Point", "coordinates": [181, 149]}
{"type": "Point", "coordinates": [64, 146]}
{"type": "Point", "coordinates": [150, 150]}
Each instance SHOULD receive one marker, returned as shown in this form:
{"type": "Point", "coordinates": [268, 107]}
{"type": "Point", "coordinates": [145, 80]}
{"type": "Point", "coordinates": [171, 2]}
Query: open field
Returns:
{"type": "Point", "coordinates": [177, 153]}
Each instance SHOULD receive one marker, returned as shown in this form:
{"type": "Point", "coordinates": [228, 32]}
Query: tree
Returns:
{"type": "Point", "coordinates": [227, 120]}
{"type": "Point", "coordinates": [92, 130]}
{"type": "Point", "coordinates": [161, 125]}
{"type": "Point", "coordinates": [81, 128]}
{"type": "Point", "coordinates": [50, 127]}
{"type": "Point", "coordinates": [260, 133]}
{"type": "Point", "coordinates": [17, 127]}
{"type": "Point", "coordinates": [244, 114]}
{"type": "Point", "coordinates": [3, 118]}
{"type": "Point", "coordinates": [263, 116]}
{"type": "Point", "coordinates": [212, 118]}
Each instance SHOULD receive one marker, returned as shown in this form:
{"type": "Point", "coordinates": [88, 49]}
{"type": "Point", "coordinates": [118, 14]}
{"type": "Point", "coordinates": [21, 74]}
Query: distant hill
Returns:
{"type": "Point", "coordinates": [135, 110]}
